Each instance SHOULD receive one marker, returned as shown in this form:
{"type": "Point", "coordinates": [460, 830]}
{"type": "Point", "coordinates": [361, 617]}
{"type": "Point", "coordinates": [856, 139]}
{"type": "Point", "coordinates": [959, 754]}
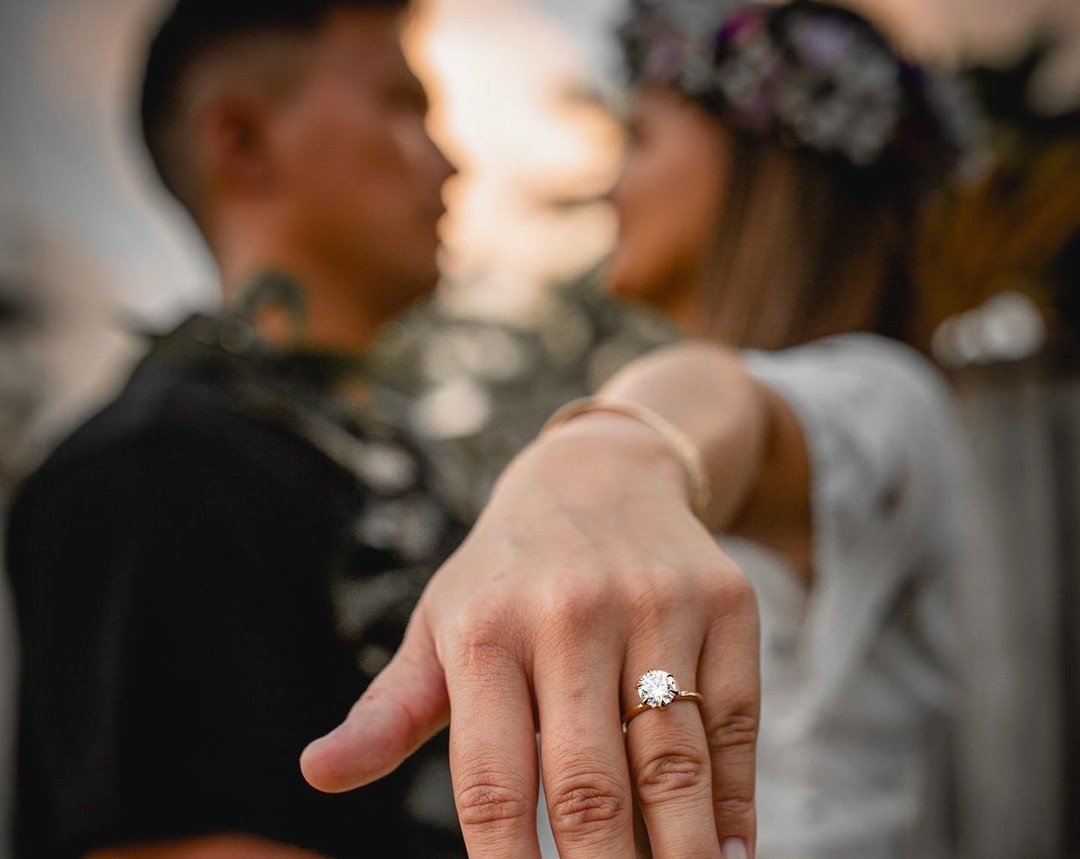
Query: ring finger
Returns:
{"type": "Point", "coordinates": [668, 754]}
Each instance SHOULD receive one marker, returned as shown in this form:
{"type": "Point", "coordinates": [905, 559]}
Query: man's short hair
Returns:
{"type": "Point", "coordinates": [189, 30]}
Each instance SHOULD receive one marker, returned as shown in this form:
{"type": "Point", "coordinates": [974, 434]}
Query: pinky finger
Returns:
{"type": "Point", "coordinates": [729, 680]}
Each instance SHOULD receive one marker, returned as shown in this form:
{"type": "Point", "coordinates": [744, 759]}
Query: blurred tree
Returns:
{"type": "Point", "coordinates": [1015, 231]}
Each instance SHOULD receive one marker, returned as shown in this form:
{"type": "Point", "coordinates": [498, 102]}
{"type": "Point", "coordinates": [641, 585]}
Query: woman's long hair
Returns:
{"type": "Point", "coordinates": [804, 250]}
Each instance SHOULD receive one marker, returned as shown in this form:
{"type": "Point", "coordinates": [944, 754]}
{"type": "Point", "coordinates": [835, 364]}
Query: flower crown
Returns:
{"type": "Point", "coordinates": [812, 75]}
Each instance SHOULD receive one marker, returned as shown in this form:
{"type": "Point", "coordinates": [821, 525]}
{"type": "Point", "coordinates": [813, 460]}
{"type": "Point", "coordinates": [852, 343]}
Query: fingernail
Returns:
{"type": "Point", "coordinates": [735, 848]}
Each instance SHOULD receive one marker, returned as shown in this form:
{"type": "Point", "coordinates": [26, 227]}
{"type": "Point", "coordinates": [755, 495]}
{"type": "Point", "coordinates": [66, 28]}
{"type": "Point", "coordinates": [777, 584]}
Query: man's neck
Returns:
{"type": "Point", "coordinates": [324, 313]}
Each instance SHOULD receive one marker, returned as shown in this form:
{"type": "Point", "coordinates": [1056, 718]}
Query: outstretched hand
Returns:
{"type": "Point", "coordinates": [586, 569]}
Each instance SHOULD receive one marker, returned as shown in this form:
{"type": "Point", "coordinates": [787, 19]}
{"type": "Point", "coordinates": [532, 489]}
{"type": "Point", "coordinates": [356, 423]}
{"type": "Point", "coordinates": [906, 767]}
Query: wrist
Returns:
{"type": "Point", "coordinates": [678, 444]}
{"type": "Point", "coordinates": [602, 457]}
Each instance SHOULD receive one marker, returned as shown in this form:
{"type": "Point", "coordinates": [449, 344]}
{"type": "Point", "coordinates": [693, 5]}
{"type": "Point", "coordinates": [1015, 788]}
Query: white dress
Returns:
{"type": "Point", "coordinates": [855, 755]}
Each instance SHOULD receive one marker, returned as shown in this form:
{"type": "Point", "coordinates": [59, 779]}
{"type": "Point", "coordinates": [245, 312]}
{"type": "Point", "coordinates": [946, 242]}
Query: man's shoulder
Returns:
{"type": "Point", "coordinates": [163, 414]}
{"type": "Point", "coordinates": [154, 399]}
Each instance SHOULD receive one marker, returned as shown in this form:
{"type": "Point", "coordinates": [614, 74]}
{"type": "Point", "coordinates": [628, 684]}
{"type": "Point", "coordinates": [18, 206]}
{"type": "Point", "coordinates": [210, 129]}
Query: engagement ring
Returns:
{"type": "Point", "coordinates": [657, 689]}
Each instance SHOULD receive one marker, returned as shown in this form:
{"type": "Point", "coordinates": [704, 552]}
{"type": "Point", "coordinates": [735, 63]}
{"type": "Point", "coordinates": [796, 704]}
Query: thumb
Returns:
{"type": "Point", "coordinates": [403, 708]}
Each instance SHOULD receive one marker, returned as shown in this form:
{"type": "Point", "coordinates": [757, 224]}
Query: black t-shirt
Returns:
{"type": "Point", "coordinates": [206, 575]}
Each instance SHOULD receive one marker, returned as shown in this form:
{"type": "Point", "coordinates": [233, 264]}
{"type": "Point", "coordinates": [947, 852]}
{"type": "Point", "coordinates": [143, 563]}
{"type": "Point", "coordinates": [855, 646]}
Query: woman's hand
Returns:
{"type": "Point", "coordinates": [586, 569]}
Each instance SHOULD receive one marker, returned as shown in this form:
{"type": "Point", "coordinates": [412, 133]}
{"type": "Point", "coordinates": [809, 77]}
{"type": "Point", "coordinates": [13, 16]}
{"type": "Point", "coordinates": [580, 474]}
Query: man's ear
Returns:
{"type": "Point", "coordinates": [232, 136]}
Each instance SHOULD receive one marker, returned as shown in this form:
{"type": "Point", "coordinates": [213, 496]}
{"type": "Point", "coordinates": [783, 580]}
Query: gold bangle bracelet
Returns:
{"type": "Point", "coordinates": [680, 443]}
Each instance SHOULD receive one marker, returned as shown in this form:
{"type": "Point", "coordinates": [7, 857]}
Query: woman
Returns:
{"type": "Point", "coordinates": [805, 151]}
{"type": "Point", "coordinates": [768, 204]}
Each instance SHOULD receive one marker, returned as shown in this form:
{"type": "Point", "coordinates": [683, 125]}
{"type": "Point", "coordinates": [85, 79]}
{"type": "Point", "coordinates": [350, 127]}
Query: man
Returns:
{"type": "Point", "coordinates": [210, 570]}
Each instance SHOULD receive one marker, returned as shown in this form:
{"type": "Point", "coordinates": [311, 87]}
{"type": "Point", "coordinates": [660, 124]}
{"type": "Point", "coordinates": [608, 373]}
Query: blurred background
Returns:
{"type": "Point", "coordinates": [92, 252]}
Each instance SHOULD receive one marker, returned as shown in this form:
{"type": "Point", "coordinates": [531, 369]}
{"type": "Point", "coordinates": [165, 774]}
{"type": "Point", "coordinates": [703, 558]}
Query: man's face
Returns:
{"type": "Point", "coordinates": [357, 180]}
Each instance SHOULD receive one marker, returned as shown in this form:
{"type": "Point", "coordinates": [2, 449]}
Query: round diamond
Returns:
{"type": "Point", "coordinates": [657, 688]}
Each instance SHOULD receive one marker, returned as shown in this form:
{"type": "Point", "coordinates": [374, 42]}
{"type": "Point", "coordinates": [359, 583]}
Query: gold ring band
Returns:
{"type": "Point", "coordinates": [657, 689]}
{"type": "Point", "coordinates": [641, 708]}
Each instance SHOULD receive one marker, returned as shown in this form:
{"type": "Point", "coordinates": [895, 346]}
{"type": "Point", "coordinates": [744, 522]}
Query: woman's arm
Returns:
{"type": "Point", "coordinates": [753, 446]}
{"type": "Point", "coordinates": [586, 569]}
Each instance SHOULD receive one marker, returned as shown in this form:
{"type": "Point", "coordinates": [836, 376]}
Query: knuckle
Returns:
{"type": "Point", "coordinates": [736, 590]}
{"type": "Point", "coordinates": [480, 643]}
{"type": "Point", "coordinates": [484, 799]}
{"type": "Point", "coordinates": [586, 803]}
{"type": "Point", "coordinates": [733, 600]}
{"type": "Point", "coordinates": [674, 772]}
{"type": "Point", "coordinates": [733, 730]}
{"type": "Point", "coordinates": [660, 599]}
{"type": "Point", "coordinates": [573, 609]}
{"type": "Point", "coordinates": [734, 812]}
